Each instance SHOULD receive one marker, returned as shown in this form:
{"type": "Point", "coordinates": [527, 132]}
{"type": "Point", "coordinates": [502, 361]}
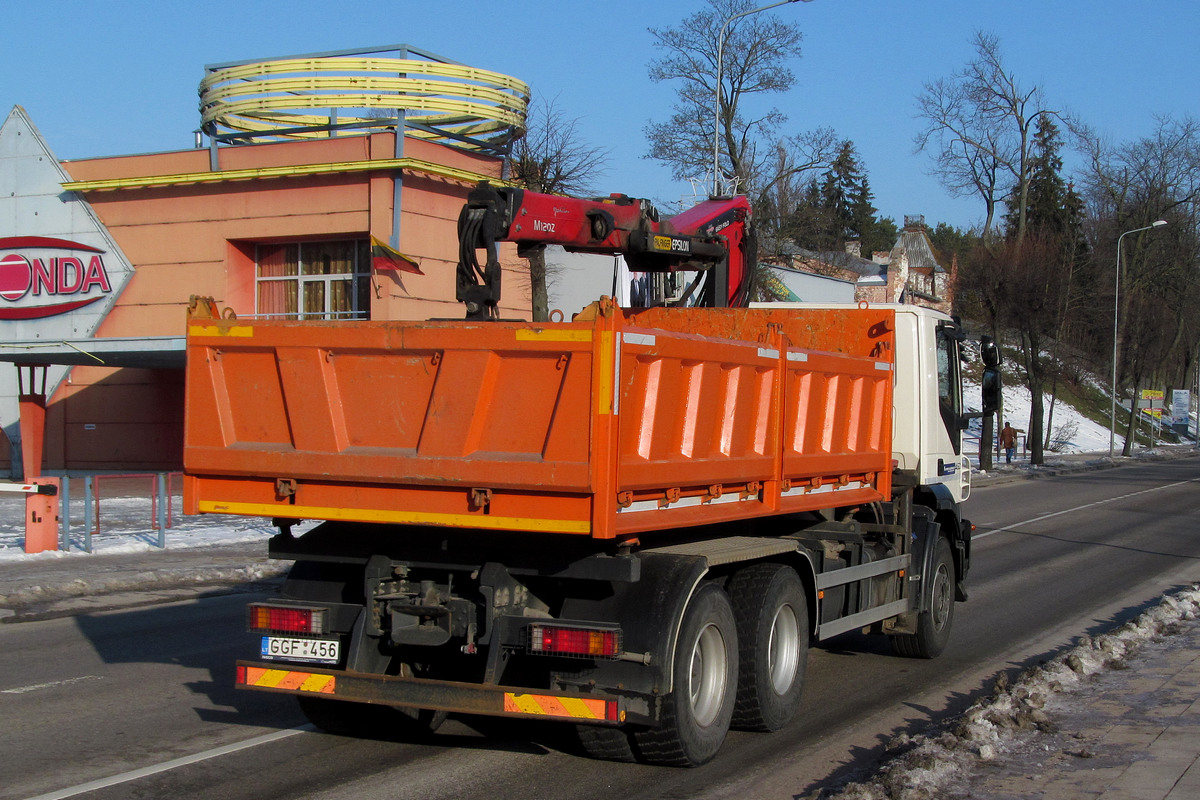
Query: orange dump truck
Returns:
{"type": "Point", "coordinates": [635, 521]}
{"type": "Point", "coordinates": [605, 428]}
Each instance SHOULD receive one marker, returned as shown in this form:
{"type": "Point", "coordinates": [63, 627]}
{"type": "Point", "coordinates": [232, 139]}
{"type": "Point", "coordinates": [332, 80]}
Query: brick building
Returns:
{"type": "Point", "coordinates": [911, 272]}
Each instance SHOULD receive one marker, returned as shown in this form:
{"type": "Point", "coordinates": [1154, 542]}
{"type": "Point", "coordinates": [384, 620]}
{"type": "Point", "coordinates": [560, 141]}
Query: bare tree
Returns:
{"type": "Point", "coordinates": [980, 124]}
{"type": "Point", "coordinates": [1128, 186]}
{"type": "Point", "coordinates": [754, 155]}
{"type": "Point", "coordinates": [967, 159]}
{"type": "Point", "coordinates": [1161, 170]}
{"type": "Point", "coordinates": [1025, 285]}
{"type": "Point", "coordinates": [551, 158]}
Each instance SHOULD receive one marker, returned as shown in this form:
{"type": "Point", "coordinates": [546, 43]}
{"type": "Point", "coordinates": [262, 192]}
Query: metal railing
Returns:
{"type": "Point", "coordinates": [160, 493]}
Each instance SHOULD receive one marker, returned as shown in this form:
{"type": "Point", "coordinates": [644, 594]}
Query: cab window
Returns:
{"type": "Point", "coordinates": [949, 385]}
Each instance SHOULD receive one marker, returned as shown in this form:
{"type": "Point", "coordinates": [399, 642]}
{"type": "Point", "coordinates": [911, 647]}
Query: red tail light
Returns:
{"type": "Point", "coordinates": [563, 641]}
{"type": "Point", "coordinates": [287, 619]}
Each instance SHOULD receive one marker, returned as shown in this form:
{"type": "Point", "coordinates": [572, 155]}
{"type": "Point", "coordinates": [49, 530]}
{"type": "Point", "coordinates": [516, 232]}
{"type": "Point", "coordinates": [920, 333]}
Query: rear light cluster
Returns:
{"type": "Point", "coordinates": [287, 619]}
{"type": "Point", "coordinates": [554, 640]}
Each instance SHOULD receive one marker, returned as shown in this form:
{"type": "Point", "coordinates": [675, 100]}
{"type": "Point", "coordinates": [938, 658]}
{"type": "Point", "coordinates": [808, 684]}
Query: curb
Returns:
{"type": "Point", "coordinates": [1100, 462]}
{"type": "Point", "coordinates": [135, 598]}
{"type": "Point", "coordinates": [58, 588]}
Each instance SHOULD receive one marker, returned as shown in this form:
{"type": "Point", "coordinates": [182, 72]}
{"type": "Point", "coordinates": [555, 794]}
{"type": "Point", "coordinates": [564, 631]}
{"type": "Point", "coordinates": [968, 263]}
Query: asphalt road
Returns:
{"type": "Point", "coordinates": [145, 695]}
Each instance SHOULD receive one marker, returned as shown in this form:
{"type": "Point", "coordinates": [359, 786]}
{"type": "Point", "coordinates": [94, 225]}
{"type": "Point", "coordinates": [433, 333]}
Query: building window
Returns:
{"type": "Point", "coordinates": [314, 280]}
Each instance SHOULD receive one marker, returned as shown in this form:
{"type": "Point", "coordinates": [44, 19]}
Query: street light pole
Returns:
{"type": "Point", "coordinates": [1112, 413]}
{"type": "Point", "coordinates": [717, 109]}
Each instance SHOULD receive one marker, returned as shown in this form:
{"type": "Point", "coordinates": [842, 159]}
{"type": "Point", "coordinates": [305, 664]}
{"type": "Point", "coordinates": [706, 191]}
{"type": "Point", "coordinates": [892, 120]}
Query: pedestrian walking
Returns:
{"type": "Point", "coordinates": [1008, 441]}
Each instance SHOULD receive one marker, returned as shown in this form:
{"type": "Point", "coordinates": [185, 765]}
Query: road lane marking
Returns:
{"type": "Point", "coordinates": [1016, 525]}
{"type": "Point", "coordinates": [165, 766]}
{"type": "Point", "coordinates": [39, 686]}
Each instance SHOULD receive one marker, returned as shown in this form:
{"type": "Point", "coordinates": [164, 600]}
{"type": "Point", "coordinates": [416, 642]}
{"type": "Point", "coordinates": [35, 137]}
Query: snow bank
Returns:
{"type": "Point", "coordinates": [116, 538]}
{"type": "Point", "coordinates": [1075, 432]}
{"type": "Point", "coordinates": [94, 585]}
{"type": "Point", "coordinates": [922, 767]}
{"type": "Point", "coordinates": [126, 526]}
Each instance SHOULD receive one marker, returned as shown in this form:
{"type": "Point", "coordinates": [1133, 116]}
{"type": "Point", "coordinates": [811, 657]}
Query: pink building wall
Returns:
{"type": "Point", "coordinates": [198, 239]}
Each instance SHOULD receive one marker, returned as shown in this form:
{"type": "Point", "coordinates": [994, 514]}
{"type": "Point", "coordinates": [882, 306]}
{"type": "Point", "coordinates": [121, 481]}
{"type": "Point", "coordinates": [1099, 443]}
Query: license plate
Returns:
{"type": "Point", "coordinates": [319, 651]}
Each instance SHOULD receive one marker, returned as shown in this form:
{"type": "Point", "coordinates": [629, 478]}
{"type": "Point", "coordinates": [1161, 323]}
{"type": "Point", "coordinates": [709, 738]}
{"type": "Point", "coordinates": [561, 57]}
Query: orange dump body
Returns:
{"type": "Point", "coordinates": [616, 423]}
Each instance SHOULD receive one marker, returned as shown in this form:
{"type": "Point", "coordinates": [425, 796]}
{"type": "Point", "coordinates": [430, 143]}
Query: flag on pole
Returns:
{"type": "Point", "coordinates": [384, 258]}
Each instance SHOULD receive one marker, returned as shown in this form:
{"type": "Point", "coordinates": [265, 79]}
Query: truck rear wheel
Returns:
{"type": "Point", "coordinates": [771, 613]}
{"type": "Point", "coordinates": [697, 712]}
{"type": "Point", "coordinates": [934, 623]}
{"type": "Point", "coordinates": [608, 744]}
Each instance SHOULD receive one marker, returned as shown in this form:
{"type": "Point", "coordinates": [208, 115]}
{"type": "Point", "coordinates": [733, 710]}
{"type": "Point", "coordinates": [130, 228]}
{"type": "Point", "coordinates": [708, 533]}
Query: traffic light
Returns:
{"type": "Point", "coordinates": [991, 390]}
{"type": "Point", "coordinates": [991, 374]}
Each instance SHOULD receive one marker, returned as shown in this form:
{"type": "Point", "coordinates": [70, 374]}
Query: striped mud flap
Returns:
{"type": "Point", "coordinates": [464, 698]}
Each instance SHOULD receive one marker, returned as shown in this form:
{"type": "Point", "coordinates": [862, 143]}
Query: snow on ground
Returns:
{"type": "Point", "coordinates": [924, 767]}
{"type": "Point", "coordinates": [127, 526]}
{"type": "Point", "coordinates": [126, 529]}
{"type": "Point", "coordinates": [1072, 431]}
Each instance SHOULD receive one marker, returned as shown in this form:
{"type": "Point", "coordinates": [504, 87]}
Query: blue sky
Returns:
{"type": "Point", "coordinates": [107, 77]}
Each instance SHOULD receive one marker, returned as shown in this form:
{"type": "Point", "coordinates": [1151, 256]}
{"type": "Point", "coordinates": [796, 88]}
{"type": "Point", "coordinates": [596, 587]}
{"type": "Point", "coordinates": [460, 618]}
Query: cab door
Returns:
{"type": "Point", "coordinates": [943, 450]}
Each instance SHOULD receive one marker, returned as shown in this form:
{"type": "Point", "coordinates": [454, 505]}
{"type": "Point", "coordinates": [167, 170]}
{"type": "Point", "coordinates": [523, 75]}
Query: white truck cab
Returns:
{"type": "Point", "coordinates": [927, 403]}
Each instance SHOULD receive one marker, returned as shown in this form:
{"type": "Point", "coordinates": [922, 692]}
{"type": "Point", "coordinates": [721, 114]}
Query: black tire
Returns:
{"type": "Point", "coordinates": [697, 712]}
{"type": "Point", "coordinates": [771, 613]}
{"type": "Point", "coordinates": [933, 624]}
{"type": "Point", "coordinates": [367, 720]}
{"type": "Point", "coordinates": [607, 744]}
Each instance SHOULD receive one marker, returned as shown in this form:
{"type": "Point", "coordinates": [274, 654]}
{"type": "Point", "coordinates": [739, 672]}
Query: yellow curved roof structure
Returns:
{"type": "Point", "coordinates": [316, 96]}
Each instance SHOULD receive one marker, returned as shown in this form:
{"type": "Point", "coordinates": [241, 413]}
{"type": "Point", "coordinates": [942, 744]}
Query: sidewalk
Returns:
{"type": "Point", "coordinates": [203, 555]}
{"type": "Point", "coordinates": [1130, 733]}
{"type": "Point", "coordinates": [1061, 463]}
{"type": "Point", "coordinates": [1115, 717]}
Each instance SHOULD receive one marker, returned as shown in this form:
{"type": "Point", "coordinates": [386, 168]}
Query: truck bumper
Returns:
{"type": "Point", "coordinates": [466, 698]}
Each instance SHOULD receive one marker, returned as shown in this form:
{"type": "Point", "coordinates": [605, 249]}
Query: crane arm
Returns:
{"type": "Point", "coordinates": [711, 236]}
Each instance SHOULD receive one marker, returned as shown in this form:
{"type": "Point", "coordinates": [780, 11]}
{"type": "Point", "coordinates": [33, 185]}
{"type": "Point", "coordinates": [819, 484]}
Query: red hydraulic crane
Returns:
{"type": "Point", "coordinates": [713, 238]}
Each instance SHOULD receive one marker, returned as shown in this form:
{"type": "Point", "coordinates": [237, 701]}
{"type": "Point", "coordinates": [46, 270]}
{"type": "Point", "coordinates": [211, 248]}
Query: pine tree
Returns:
{"type": "Point", "coordinates": [1054, 208]}
{"type": "Point", "coordinates": [951, 241]}
{"type": "Point", "coordinates": [839, 208]}
{"type": "Point", "coordinates": [843, 186]}
{"type": "Point", "coordinates": [862, 213]}
{"type": "Point", "coordinates": [880, 236]}
{"type": "Point", "coordinates": [811, 224]}
{"type": "Point", "coordinates": [873, 232]}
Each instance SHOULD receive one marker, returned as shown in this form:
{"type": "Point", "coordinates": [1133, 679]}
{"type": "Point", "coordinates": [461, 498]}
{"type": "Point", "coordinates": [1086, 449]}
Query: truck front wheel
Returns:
{"type": "Point", "coordinates": [697, 712]}
{"type": "Point", "coordinates": [933, 624]}
{"type": "Point", "coordinates": [772, 623]}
